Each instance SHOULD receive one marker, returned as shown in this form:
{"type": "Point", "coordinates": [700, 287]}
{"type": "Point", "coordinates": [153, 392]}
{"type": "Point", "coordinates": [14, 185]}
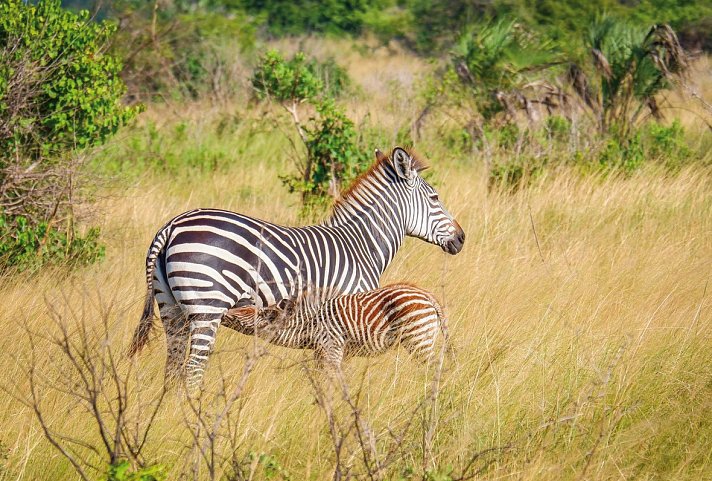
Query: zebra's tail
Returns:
{"type": "Point", "coordinates": [145, 325]}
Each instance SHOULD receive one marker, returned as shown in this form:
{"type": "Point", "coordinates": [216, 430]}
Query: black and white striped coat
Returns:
{"type": "Point", "coordinates": [204, 262]}
{"type": "Point", "coordinates": [363, 324]}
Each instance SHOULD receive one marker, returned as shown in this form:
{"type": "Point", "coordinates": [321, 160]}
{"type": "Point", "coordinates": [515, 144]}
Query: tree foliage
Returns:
{"type": "Point", "coordinates": [60, 93]}
{"type": "Point", "coordinates": [59, 90]}
{"type": "Point", "coordinates": [333, 154]}
{"type": "Point", "coordinates": [628, 67]}
{"type": "Point", "coordinates": [29, 246]}
{"type": "Point", "coordinates": [285, 80]}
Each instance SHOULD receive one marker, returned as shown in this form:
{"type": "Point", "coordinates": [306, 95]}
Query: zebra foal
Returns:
{"type": "Point", "coordinates": [363, 324]}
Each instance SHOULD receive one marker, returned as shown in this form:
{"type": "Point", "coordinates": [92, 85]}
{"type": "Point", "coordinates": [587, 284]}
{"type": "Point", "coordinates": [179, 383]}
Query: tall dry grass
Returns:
{"type": "Point", "coordinates": [579, 312]}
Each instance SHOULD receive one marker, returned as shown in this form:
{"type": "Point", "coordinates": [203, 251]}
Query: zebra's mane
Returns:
{"type": "Point", "coordinates": [382, 160]}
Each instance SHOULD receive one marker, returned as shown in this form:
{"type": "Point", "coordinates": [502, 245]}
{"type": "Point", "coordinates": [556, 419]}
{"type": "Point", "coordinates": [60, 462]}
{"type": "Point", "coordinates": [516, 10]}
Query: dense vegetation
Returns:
{"type": "Point", "coordinates": [60, 94]}
{"type": "Point", "coordinates": [514, 78]}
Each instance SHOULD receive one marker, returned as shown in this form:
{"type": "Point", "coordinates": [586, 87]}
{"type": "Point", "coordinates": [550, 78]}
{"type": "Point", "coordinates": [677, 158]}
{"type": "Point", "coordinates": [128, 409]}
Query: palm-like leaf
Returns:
{"type": "Point", "coordinates": [630, 66]}
{"type": "Point", "coordinates": [497, 60]}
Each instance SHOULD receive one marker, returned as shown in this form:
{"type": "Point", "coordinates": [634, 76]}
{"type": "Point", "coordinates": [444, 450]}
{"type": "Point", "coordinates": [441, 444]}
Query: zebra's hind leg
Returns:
{"type": "Point", "coordinates": [175, 325]}
{"type": "Point", "coordinates": [421, 344]}
{"type": "Point", "coordinates": [203, 329]}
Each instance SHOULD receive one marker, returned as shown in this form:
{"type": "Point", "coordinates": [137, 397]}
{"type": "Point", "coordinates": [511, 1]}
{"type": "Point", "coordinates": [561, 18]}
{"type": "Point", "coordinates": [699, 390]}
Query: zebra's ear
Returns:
{"type": "Point", "coordinates": [380, 156]}
{"type": "Point", "coordinates": [403, 163]}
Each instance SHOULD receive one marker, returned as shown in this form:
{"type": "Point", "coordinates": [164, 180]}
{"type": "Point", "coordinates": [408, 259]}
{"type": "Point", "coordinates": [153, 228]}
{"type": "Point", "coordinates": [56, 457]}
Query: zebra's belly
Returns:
{"type": "Point", "coordinates": [363, 347]}
{"type": "Point", "coordinates": [211, 282]}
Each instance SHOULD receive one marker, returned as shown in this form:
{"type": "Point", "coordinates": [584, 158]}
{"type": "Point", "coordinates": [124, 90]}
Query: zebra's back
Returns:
{"type": "Point", "coordinates": [214, 259]}
{"type": "Point", "coordinates": [376, 320]}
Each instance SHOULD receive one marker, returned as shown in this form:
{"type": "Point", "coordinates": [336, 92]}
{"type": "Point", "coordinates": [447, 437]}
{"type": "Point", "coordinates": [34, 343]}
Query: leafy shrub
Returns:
{"type": "Point", "coordinates": [60, 93]}
{"type": "Point", "coordinates": [298, 79]}
{"type": "Point", "coordinates": [25, 246]}
{"type": "Point", "coordinates": [334, 156]}
{"type": "Point", "coordinates": [652, 142]}
{"type": "Point", "coordinates": [625, 154]}
{"type": "Point", "coordinates": [121, 471]}
{"type": "Point", "coordinates": [666, 143]}
{"type": "Point", "coordinates": [285, 80]}
{"type": "Point", "coordinates": [58, 89]}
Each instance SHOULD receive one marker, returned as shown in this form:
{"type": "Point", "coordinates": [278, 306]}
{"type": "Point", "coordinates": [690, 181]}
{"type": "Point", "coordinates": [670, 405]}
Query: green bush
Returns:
{"type": "Point", "coordinates": [60, 94]}
{"type": "Point", "coordinates": [334, 156]}
{"type": "Point", "coordinates": [666, 143]}
{"type": "Point", "coordinates": [25, 246]}
{"type": "Point", "coordinates": [285, 80]}
{"type": "Point", "coordinates": [58, 89]}
{"type": "Point", "coordinates": [298, 79]}
{"type": "Point", "coordinates": [652, 142]}
{"type": "Point", "coordinates": [333, 153]}
{"type": "Point", "coordinates": [121, 471]}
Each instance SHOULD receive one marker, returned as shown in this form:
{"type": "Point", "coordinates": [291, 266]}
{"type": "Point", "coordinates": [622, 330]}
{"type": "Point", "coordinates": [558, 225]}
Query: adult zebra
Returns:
{"type": "Point", "coordinates": [206, 261]}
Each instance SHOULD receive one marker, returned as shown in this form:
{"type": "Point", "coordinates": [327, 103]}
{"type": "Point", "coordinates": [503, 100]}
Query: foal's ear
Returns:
{"type": "Point", "coordinates": [404, 165]}
{"type": "Point", "coordinates": [380, 156]}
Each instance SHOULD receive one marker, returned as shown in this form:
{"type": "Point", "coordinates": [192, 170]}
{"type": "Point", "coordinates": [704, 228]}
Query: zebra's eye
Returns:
{"type": "Point", "coordinates": [434, 196]}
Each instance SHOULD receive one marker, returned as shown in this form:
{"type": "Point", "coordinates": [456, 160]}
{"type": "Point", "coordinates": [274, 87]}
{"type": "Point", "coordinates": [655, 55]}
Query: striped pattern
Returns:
{"type": "Point", "coordinates": [363, 324]}
{"type": "Point", "coordinates": [206, 261]}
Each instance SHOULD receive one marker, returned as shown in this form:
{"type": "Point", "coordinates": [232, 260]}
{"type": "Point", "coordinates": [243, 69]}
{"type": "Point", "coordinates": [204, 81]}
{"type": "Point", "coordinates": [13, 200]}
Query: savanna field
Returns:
{"type": "Point", "coordinates": [580, 312]}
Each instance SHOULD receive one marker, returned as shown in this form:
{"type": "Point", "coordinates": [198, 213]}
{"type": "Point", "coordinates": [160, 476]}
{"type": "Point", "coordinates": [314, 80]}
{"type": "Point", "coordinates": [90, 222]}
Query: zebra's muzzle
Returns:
{"type": "Point", "coordinates": [454, 244]}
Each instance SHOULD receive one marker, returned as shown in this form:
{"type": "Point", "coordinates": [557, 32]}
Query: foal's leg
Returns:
{"type": "Point", "coordinates": [421, 344]}
{"type": "Point", "coordinates": [329, 355]}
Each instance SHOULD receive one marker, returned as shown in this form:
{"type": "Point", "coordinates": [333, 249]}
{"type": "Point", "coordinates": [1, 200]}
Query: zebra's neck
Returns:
{"type": "Point", "coordinates": [372, 213]}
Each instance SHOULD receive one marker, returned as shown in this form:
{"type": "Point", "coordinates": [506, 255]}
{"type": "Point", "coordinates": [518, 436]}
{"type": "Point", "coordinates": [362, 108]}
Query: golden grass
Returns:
{"type": "Point", "coordinates": [584, 349]}
{"type": "Point", "coordinates": [579, 311]}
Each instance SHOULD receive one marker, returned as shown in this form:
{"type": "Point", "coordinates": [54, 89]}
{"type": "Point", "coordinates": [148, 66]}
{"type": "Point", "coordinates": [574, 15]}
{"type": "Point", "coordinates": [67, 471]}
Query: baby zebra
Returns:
{"type": "Point", "coordinates": [363, 324]}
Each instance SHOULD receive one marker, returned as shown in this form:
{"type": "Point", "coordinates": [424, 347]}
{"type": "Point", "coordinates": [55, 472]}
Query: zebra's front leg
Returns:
{"type": "Point", "coordinates": [203, 329]}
